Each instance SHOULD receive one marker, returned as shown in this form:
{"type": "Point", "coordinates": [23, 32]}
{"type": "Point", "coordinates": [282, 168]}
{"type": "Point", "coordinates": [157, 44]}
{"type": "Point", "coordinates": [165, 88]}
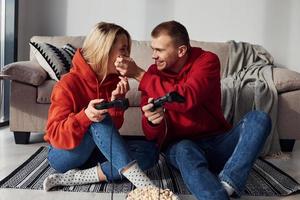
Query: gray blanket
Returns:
{"type": "Point", "coordinates": [247, 84]}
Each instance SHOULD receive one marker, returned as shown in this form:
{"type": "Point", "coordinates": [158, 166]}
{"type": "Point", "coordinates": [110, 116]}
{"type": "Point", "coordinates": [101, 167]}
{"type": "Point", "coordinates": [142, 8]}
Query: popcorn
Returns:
{"type": "Point", "coordinates": [151, 193]}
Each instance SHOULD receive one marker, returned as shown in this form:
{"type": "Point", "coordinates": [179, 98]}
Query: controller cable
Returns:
{"type": "Point", "coordinates": [165, 135]}
{"type": "Point", "coordinates": [105, 105]}
{"type": "Point", "coordinates": [111, 167]}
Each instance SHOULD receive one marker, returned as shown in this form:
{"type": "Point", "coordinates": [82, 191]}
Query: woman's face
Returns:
{"type": "Point", "coordinates": [119, 48]}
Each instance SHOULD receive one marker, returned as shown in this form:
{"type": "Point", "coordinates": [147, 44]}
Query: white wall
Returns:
{"type": "Point", "coordinates": [274, 24]}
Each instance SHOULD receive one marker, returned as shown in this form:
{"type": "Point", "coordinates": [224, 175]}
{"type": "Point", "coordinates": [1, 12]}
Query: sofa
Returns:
{"type": "Point", "coordinates": [31, 88]}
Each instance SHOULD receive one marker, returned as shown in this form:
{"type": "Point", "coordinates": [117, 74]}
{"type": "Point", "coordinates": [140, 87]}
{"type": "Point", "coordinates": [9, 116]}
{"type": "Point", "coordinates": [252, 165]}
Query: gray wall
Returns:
{"type": "Point", "coordinates": [274, 24]}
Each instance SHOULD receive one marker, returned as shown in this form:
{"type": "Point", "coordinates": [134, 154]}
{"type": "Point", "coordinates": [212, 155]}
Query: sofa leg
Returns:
{"type": "Point", "coordinates": [287, 145]}
{"type": "Point", "coordinates": [21, 137]}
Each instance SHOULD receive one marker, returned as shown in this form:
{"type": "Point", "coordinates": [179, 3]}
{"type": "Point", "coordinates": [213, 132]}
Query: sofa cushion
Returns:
{"type": "Point", "coordinates": [58, 41]}
{"type": "Point", "coordinates": [56, 61]}
{"type": "Point", "coordinates": [132, 122]}
{"type": "Point", "coordinates": [221, 49]}
{"type": "Point", "coordinates": [29, 72]}
{"type": "Point", "coordinates": [44, 91]}
{"type": "Point", "coordinates": [141, 53]}
{"type": "Point", "coordinates": [133, 94]}
{"type": "Point", "coordinates": [286, 80]}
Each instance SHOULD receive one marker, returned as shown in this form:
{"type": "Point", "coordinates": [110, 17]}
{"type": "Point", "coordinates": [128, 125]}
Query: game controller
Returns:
{"type": "Point", "coordinates": [169, 97]}
{"type": "Point", "coordinates": [117, 103]}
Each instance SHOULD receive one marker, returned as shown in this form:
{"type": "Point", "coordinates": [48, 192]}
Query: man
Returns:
{"type": "Point", "coordinates": [213, 158]}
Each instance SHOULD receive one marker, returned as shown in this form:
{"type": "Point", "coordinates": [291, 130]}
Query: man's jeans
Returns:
{"type": "Point", "coordinates": [228, 157]}
{"type": "Point", "coordinates": [96, 148]}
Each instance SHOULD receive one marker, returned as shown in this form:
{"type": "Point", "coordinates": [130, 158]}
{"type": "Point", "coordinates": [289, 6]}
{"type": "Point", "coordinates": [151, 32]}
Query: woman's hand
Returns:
{"type": "Point", "coordinates": [121, 89]}
{"type": "Point", "coordinates": [92, 113]}
{"type": "Point", "coordinates": [127, 67]}
{"type": "Point", "coordinates": [154, 117]}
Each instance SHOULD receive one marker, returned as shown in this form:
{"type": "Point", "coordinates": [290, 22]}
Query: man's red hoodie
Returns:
{"type": "Point", "coordinates": [67, 122]}
{"type": "Point", "coordinates": [201, 114]}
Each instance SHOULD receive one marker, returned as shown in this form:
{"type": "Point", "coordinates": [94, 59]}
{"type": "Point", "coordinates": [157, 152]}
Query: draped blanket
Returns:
{"type": "Point", "coordinates": [247, 84]}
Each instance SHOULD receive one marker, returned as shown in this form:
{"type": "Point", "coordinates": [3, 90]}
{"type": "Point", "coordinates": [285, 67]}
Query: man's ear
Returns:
{"type": "Point", "coordinates": [182, 50]}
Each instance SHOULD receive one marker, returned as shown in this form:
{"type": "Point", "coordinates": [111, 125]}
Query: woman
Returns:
{"type": "Point", "coordinates": [79, 135]}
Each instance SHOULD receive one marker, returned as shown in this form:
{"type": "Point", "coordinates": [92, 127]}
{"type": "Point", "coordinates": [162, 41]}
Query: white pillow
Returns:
{"type": "Point", "coordinates": [55, 61]}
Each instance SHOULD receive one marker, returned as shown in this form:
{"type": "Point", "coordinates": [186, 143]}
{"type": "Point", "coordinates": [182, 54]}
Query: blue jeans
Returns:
{"type": "Point", "coordinates": [228, 157]}
{"type": "Point", "coordinates": [95, 148]}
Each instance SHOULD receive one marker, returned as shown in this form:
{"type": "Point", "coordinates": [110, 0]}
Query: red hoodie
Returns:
{"type": "Point", "coordinates": [201, 114]}
{"type": "Point", "coordinates": [67, 122]}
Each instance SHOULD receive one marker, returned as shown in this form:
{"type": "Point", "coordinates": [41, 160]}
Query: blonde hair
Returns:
{"type": "Point", "coordinates": [98, 43]}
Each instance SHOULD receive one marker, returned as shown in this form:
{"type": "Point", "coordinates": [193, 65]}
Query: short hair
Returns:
{"type": "Point", "coordinates": [175, 30]}
{"type": "Point", "coordinates": [98, 43]}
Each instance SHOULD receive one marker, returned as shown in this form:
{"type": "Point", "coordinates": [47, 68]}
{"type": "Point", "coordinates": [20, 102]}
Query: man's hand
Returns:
{"type": "Point", "coordinates": [154, 117]}
{"type": "Point", "coordinates": [127, 67]}
{"type": "Point", "coordinates": [121, 89]}
{"type": "Point", "coordinates": [92, 113]}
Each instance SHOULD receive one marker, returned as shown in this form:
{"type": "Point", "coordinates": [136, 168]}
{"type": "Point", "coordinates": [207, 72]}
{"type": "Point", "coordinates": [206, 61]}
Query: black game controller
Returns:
{"type": "Point", "coordinates": [117, 103]}
{"type": "Point", "coordinates": [169, 97]}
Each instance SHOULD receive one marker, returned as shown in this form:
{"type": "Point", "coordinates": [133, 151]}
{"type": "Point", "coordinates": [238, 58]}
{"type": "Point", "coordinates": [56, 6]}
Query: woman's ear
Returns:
{"type": "Point", "coordinates": [182, 50]}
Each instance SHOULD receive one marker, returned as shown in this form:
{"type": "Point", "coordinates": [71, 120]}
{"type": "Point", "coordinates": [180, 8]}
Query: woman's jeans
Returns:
{"type": "Point", "coordinates": [228, 157]}
{"type": "Point", "coordinates": [96, 147]}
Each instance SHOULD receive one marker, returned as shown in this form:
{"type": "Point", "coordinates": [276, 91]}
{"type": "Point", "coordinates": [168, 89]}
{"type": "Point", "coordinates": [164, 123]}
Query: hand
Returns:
{"type": "Point", "coordinates": [121, 89]}
{"type": "Point", "coordinates": [154, 117]}
{"type": "Point", "coordinates": [127, 67]}
{"type": "Point", "coordinates": [92, 113]}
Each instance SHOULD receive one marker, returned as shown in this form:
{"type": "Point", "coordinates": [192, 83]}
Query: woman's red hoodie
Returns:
{"type": "Point", "coordinates": [67, 122]}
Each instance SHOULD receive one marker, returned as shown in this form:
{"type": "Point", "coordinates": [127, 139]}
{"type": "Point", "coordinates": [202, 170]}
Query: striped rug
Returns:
{"type": "Point", "coordinates": [265, 179]}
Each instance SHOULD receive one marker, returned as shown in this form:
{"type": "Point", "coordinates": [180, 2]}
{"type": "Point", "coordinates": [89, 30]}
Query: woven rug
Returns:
{"type": "Point", "coordinates": [265, 179]}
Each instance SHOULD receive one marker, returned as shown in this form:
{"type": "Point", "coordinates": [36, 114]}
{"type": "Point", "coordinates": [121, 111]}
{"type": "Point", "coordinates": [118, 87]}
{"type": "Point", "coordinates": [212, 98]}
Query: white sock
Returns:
{"type": "Point", "coordinates": [72, 177]}
{"type": "Point", "coordinates": [136, 176]}
{"type": "Point", "coordinates": [228, 188]}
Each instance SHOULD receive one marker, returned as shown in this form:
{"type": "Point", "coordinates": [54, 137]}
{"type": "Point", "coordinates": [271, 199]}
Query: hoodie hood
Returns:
{"type": "Point", "coordinates": [84, 70]}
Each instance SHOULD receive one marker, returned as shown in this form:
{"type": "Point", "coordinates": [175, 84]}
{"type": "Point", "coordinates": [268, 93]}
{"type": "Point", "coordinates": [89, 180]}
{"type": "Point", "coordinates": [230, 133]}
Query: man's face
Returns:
{"type": "Point", "coordinates": [165, 53]}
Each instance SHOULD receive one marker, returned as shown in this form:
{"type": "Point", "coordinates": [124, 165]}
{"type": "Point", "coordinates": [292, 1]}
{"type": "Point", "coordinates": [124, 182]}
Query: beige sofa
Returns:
{"type": "Point", "coordinates": [31, 89]}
